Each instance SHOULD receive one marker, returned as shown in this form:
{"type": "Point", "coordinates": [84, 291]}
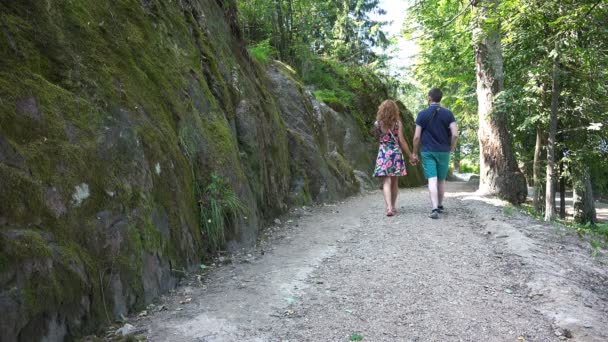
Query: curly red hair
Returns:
{"type": "Point", "coordinates": [388, 114]}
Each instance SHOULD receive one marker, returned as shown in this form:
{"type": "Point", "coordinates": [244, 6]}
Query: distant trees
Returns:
{"type": "Point", "coordinates": [555, 90]}
{"type": "Point", "coordinates": [341, 29]}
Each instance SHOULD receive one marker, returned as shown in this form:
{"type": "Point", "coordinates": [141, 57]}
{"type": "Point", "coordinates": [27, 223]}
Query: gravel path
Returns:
{"type": "Point", "coordinates": [482, 272]}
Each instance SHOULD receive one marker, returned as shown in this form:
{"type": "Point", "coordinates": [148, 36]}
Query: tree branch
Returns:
{"type": "Point", "coordinates": [592, 8]}
{"type": "Point", "coordinates": [447, 23]}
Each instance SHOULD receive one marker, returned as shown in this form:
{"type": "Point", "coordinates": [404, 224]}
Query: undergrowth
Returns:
{"type": "Point", "coordinates": [339, 100]}
{"type": "Point", "coordinates": [466, 166]}
{"type": "Point", "coordinates": [217, 202]}
{"type": "Point", "coordinates": [595, 231]}
{"type": "Point", "coordinates": [263, 52]}
{"type": "Point", "coordinates": [218, 205]}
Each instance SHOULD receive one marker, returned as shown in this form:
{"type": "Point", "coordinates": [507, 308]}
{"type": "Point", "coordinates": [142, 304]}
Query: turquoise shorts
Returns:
{"type": "Point", "coordinates": [436, 164]}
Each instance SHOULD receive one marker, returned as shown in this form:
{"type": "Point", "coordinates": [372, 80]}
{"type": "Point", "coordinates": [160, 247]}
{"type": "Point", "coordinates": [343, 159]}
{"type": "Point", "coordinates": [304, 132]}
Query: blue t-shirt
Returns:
{"type": "Point", "coordinates": [436, 135]}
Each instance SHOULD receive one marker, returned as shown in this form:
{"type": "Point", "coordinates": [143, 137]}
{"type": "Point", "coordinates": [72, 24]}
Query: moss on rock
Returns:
{"type": "Point", "coordinates": [115, 115]}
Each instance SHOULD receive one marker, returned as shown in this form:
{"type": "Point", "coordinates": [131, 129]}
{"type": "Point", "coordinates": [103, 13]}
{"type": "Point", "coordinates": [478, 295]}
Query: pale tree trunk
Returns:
{"type": "Point", "coordinates": [551, 172]}
{"type": "Point", "coordinates": [584, 205]}
{"type": "Point", "coordinates": [499, 173]}
{"type": "Point", "coordinates": [538, 179]}
{"type": "Point", "coordinates": [280, 24]}
{"type": "Point", "coordinates": [562, 192]}
{"type": "Point", "coordinates": [456, 158]}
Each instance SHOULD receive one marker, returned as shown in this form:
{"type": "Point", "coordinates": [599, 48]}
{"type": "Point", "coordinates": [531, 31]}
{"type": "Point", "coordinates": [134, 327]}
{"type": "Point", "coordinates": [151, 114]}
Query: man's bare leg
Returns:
{"type": "Point", "coordinates": [433, 192]}
{"type": "Point", "coordinates": [440, 192]}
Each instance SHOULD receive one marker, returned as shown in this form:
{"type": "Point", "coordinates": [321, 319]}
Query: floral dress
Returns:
{"type": "Point", "coordinates": [390, 160]}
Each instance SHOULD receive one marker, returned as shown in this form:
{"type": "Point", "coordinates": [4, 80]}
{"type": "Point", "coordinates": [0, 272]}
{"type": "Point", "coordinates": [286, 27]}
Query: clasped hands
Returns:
{"type": "Point", "coordinates": [413, 159]}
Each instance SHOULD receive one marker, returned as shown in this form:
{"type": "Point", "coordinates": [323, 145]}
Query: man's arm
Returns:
{"type": "Point", "coordinates": [404, 146]}
{"type": "Point", "coordinates": [416, 140]}
{"type": "Point", "coordinates": [454, 130]}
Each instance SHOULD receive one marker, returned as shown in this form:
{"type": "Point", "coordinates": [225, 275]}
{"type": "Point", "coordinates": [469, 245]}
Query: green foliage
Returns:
{"type": "Point", "coordinates": [466, 166]}
{"type": "Point", "coordinates": [263, 52]}
{"type": "Point", "coordinates": [356, 337]}
{"type": "Point", "coordinates": [529, 210]}
{"type": "Point", "coordinates": [218, 205]}
{"type": "Point", "coordinates": [598, 231]}
{"type": "Point", "coordinates": [346, 88]}
{"type": "Point", "coordinates": [339, 100]}
{"type": "Point", "coordinates": [534, 34]}
{"type": "Point", "coordinates": [333, 28]}
{"type": "Point", "coordinates": [445, 62]}
{"type": "Point", "coordinates": [508, 211]}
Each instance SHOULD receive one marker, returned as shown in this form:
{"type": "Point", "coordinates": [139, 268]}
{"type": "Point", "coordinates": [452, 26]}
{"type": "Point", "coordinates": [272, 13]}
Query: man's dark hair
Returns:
{"type": "Point", "coordinates": [435, 94]}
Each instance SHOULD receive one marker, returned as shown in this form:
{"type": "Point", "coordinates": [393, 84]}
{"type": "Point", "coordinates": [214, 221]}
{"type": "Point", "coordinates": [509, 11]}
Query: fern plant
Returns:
{"type": "Point", "coordinates": [263, 52]}
{"type": "Point", "coordinates": [218, 205]}
{"type": "Point", "coordinates": [217, 202]}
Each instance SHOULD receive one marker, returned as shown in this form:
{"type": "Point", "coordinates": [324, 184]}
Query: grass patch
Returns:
{"type": "Point", "coordinates": [508, 211]}
{"type": "Point", "coordinates": [529, 210]}
{"type": "Point", "coordinates": [218, 206]}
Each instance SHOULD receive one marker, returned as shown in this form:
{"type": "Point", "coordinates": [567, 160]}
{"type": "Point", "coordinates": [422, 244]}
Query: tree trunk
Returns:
{"type": "Point", "coordinates": [280, 23]}
{"type": "Point", "coordinates": [551, 174]}
{"type": "Point", "coordinates": [562, 192]}
{"type": "Point", "coordinates": [290, 27]}
{"type": "Point", "coordinates": [584, 205]}
{"type": "Point", "coordinates": [456, 158]}
{"type": "Point", "coordinates": [499, 173]}
{"type": "Point", "coordinates": [538, 179]}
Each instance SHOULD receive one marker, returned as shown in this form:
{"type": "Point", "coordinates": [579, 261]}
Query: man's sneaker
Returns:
{"type": "Point", "coordinates": [440, 208]}
{"type": "Point", "coordinates": [434, 214]}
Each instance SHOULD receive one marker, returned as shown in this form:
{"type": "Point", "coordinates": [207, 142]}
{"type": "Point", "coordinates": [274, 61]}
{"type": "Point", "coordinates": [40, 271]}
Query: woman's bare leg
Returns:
{"type": "Point", "coordinates": [386, 189]}
{"type": "Point", "coordinates": [394, 191]}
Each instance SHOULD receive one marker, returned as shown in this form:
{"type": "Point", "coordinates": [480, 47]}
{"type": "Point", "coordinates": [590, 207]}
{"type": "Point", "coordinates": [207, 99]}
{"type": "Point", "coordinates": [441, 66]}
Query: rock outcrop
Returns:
{"type": "Point", "coordinates": [113, 115]}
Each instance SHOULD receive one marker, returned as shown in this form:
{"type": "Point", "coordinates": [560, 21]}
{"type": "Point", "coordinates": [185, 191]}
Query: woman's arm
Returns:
{"type": "Point", "coordinates": [404, 146]}
{"type": "Point", "coordinates": [375, 129]}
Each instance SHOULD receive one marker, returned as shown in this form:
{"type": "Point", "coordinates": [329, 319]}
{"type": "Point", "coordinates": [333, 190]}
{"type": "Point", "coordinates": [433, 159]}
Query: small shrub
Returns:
{"type": "Point", "coordinates": [595, 245]}
{"type": "Point", "coordinates": [602, 229]}
{"type": "Point", "coordinates": [467, 166]}
{"type": "Point", "coordinates": [356, 337]}
{"type": "Point", "coordinates": [337, 99]}
{"type": "Point", "coordinates": [263, 52]}
{"type": "Point", "coordinates": [508, 211]}
{"type": "Point", "coordinates": [218, 204]}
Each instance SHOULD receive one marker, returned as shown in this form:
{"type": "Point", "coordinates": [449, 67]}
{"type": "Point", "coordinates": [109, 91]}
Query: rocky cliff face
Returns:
{"type": "Point", "coordinates": [112, 116]}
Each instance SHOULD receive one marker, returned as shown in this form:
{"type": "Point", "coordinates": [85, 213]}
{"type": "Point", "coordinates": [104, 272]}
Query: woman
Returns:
{"type": "Point", "coordinates": [390, 163]}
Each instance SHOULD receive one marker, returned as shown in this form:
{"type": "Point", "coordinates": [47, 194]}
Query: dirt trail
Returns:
{"type": "Point", "coordinates": [479, 273]}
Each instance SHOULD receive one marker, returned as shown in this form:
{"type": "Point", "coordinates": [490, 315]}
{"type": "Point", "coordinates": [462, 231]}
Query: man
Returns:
{"type": "Point", "coordinates": [436, 129]}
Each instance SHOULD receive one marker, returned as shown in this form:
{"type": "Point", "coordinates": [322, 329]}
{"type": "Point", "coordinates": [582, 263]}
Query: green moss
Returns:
{"type": "Point", "coordinates": [54, 284]}
{"type": "Point", "coordinates": [109, 80]}
{"type": "Point", "coordinates": [222, 141]}
{"type": "Point", "coordinates": [29, 244]}
{"type": "Point", "coordinates": [349, 89]}
{"type": "Point", "coordinates": [21, 198]}
{"type": "Point", "coordinates": [59, 288]}
{"type": "Point", "coordinates": [302, 197]}
{"type": "Point", "coordinates": [343, 166]}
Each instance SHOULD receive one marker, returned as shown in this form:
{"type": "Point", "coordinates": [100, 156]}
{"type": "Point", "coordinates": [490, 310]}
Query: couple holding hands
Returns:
{"type": "Point", "coordinates": [437, 134]}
